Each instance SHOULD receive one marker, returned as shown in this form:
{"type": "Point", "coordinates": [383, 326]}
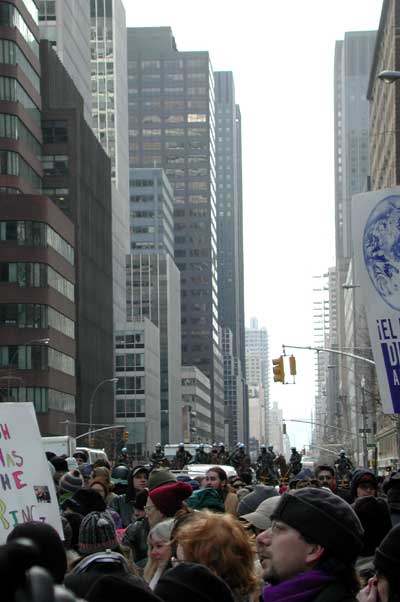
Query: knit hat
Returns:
{"type": "Point", "coordinates": [206, 498]}
{"type": "Point", "coordinates": [112, 587]}
{"type": "Point", "coordinates": [375, 518]}
{"type": "Point", "coordinates": [325, 518]}
{"type": "Point", "coordinates": [159, 477]}
{"type": "Point", "coordinates": [387, 556]}
{"type": "Point", "coordinates": [251, 501]}
{"type": "Point", "coordinates": [97, 533]}
{"type": "Point", "coordinates": [51, 550]}
{"type": "Point", "coordinates": [85, 501]}
{"type": "Point", "coordinates": [169, 498]}
{"type": "Point", "coordinates": [261, 517]}
{"type": "Point", "coordinates": [71, 482]}
{"type": "Point", "coordinates": [192, 582]}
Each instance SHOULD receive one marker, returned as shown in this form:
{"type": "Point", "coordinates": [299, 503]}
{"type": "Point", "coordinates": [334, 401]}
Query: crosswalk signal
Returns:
{"type": "Point", "coordinates": [279, 370]}
{"type": "Point", "coordinates": [125, 436]}
{"type": "Point", "coordinates": [292, 365]}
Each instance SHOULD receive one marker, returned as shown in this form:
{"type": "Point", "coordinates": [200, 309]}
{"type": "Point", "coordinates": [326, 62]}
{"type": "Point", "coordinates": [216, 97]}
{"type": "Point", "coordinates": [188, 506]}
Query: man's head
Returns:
{"type": "Point", "coordinates": [181, 446]}
{"type": "Point", "coordinates": [293, 449]}
{"type": "Point", "coordinates": [270, 447]}
{"type": "Point", "coordinates": [308, 526]}
{"type": "Point", "coordinates": [326, 476]}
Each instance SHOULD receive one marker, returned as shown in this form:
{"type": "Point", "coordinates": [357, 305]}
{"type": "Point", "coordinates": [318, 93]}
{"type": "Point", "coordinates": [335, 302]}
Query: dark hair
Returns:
{"type": "Point", "coordinates": [322, 467]}
{"type": "Point", "coordinates": [220, 472]}
{"type": "Point", "coordinates": [247, 477]}
{"type": "Point", "coordinates": [102, 462]}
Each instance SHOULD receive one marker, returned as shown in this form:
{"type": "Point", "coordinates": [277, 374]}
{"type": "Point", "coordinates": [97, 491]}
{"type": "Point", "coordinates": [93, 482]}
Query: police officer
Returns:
{"type": "Point", "coordinates": [201, 456]}
{"type": "Point", "coordinates": [223, 454]}
{"type": "Point", "coordinates": [295, 461]}
{"type": "Point", "coordinates": [157, 456]}
{"type": "Point", "coordinates": [182, 457]}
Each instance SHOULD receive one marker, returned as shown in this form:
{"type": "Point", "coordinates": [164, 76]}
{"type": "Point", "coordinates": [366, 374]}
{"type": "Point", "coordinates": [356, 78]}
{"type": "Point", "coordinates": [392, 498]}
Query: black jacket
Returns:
{"type": "Point", "coordinates": [335, 592]}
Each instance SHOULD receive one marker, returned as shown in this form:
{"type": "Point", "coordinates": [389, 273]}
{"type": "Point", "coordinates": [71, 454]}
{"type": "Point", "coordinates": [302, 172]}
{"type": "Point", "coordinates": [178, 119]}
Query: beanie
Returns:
{"type": "Point", "coordinates": [97, 533]}
{"type": "Point", "coordinates": [195, 582]}
{"type": "Point", "coordinates": [168, 499]}
{"type": "Point", "coordinates": [118, 587]}
{"type": "Point", "coordinates": [206, 498]}
{"type": "Point", "coordinates": [387, 556]}
{"type": "Point", "coordinates": [85, 501]}
{"type": "Point", "coordinates": [51, 550]}
{"type": "Point", "coordinates": [160, 477]}
{"type": "Point", "coordinates": [71, 482]}
{"type": "Point", "coordinates": [325, 518]}
{"type": "Point", "coordinates": [252, 500]}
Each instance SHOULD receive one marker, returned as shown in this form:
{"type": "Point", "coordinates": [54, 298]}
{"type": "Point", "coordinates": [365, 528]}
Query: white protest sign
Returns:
{"type": "Point", "coordinates": [376, 236]}
{"type": "Point", "coordinates": [27, 491]}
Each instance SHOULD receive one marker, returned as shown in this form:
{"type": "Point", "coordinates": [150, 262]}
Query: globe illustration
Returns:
{"type": "Point", "coordinates": [381, 248]}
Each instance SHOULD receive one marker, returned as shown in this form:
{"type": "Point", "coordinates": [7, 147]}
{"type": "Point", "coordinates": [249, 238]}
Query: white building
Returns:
{"type": "Point", "coordinates": [257, 366]}
{"type": "Point", "coordinates": [137, 366]}
{"type": "Point", "coordinates": [196, 405]}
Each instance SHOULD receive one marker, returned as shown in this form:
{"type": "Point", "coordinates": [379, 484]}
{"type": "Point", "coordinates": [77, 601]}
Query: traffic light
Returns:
{"type": "Point", "coordinates": [125, 436]}
{"type": "Point", "coordinates": [284, 428]}
{"type": "Point", "coordinates": [91, 441]}
{"type": "Point", "coordinates": [279, 370]}
{"type": "Point", "coordinates": [292, 365]}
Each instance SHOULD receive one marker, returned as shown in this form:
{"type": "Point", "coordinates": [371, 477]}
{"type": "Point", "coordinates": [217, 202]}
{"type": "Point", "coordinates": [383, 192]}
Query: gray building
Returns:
{"type": "Point", "coordinates": [257, 364]}
{"type": "Point", "coordinates": [151, 212]}
{"type": "Point", "coordinates": [137, 357]}
{"type": "Point", "coordinates": [153, 292]}
{"type": "Point", "coordinates": [77, 177]}
{"type": "Point", "coordinates": [196, 416]}
{"type": "Point", "coordinates": [230, 241]}
{"type": "Point", "coordinates": [171, 125]}
{"type": "Point", "coordinates": [110, 124]}
{"type": "Point", "coordinates": [66, 24]}
{"type": "Point", "coordinates": [233, 391]}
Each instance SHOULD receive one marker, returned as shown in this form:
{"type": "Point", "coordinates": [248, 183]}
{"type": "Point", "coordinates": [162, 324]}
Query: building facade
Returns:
{"type": "Point", "coordinates": [171, 124]}
{"type": "Point", "coordinates": [233, 391]}
{"type": "Point", "coordinates": [137, 357]}
{"type": "Point", "coordinates": [257, 365]}
{"type": "Point", "coordinates": [110, 124]}
{"type": "Point", "coordinates": [77, 177]}
{"type": "Point", "coordinates": [196, 397]}
{"type": "Point", "coordinates": [66, 24]}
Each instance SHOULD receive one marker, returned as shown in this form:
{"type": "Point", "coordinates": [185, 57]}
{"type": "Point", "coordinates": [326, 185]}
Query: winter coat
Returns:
{"type": "Point", "coordinates": [125, 509]}
{"type": "Point", "coordinates": [335, 592]}
{"type": "Point", "coordinates": [136, 538]}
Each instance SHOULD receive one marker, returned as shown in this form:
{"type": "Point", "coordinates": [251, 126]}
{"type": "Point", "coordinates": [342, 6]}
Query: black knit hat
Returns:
{"type": "Point", "coordinates": [60, 464]}
{"type": "Point", "coordinates": [112, 587]}
{"type": "Point", "coordinates": [192, 582]}
{"type": "Point", "coordinates": [49, 544]}
{"type": "Point", "coordinates": [325, 519]}
{"type": "Point", "coordinates": [387, 556]}
{"type": "Point", "coordinates": [375, 518]}
{"type": "Point", "coordinates": [97, 533]}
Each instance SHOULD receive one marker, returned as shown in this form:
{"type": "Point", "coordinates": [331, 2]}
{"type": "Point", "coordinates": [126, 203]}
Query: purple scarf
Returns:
{"type": "Point", "coordinates": [303, 588]}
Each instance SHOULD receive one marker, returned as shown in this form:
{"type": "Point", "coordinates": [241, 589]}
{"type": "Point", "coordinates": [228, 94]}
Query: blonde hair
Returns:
{"type": "Point", "coordinates": [220, 542]}
{"type": "Point", "coordinates": [162, 531]}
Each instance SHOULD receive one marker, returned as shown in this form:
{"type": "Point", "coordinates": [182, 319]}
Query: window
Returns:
{"type": "Point", "coordinates": [11, 90]}
{"type": "Point", "coordinates": [197, 117]}
{"type": "Point", "coordinates": [10, 54]}
{"type": "Point", "coordinates": [12, 127]}
{"type": "Point", "coordinates": [11, 17]}
{"type": "Point", "coordinates": [54, 131]}
{"type": "Point", "coordinates": [12, 164]}
{"type": "Point", "coordinates": [55, 165]}
{"type": "Point", "coordinates": [47, 10]}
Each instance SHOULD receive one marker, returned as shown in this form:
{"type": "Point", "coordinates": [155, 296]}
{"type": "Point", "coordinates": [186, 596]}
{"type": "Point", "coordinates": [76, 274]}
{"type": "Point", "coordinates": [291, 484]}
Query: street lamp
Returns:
{"type": "Point", "coordinates": [91, 403]}
{"type": "Point", "coordinates": [44, 341]}
{"type": "Point", "coordinates": [389, 77]}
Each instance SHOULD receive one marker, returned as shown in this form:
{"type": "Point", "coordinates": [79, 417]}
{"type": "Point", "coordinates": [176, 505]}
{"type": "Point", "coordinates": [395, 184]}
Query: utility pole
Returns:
{"type": "Point", "coordinates": [364, 423]}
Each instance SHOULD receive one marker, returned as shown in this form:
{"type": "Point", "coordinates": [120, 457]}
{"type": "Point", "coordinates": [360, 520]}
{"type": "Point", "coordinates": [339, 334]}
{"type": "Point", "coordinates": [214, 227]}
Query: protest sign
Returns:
{"type": "Point", "coordinates": [27, 491]}
{"type": "Point", "coordinates": [376, 235]}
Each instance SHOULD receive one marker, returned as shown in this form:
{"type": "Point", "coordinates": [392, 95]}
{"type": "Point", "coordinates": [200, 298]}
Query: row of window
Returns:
{"type": "Point", "coordinates": [36, 357]}
{"type": "Point", "coordinates": [35, 315]}
{"type": "Point", "coordinates": [12, 127]}
{"type": "Point", "coordinates": [11, 17]}
{"type": "Point", "coordinates": [55, 131]}
{"type": "Point", "coordinates": [47, 10]}
{"type": "Point", "coordinates": [27, 274]}
{"type": "Point", "coordinates": [12, 164]}
{"type": "Point", "coordinates": [55, 165]}
{"type": "Point", "coordinates": [130, 408]}
{"type": "Point", "coordinates": [11, 54]}
{"type": "Point", "coordinates": [44, 399]}
{"type": "Point", "coordinates": [130, 341]}
{"type": "Point", "coordinates": [129, 361]}
{"type": "Point", "coordinates": [155, 64]}
{"type": "Point", "coordinates": [36, 234]}
{"type": "Point", "coordinates": [12, 91]}
{"type": "Point", "coordinates": [130, 384]}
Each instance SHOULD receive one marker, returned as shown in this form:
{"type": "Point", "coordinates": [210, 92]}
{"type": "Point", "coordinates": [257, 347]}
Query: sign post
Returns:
{"type": "Point", "coordinates": [376, 235]}
{"type": "Point", "coordinates": [27, 491]}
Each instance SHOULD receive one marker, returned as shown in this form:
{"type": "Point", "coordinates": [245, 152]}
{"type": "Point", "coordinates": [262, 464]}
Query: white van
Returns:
{"type": "Point", "coordinates": [62, 445]}
{"type": "Point", "coordinates": [93, 454]}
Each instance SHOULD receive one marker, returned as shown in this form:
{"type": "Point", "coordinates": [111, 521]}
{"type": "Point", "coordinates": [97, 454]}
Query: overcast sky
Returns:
{"type": "Point", "coordinates": [281, 53]}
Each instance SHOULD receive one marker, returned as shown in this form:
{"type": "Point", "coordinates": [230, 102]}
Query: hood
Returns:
{"type": "Point", "coordinates": [359, 475]}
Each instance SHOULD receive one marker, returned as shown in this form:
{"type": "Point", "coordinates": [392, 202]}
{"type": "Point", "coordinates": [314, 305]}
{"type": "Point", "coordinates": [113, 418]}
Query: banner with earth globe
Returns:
{"type": "Point", "coordinates": [376, 237]}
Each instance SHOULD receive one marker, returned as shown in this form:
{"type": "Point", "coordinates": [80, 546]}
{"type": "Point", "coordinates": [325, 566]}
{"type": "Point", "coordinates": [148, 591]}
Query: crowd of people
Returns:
{"type": "Point", "coordinates": [154, 535]}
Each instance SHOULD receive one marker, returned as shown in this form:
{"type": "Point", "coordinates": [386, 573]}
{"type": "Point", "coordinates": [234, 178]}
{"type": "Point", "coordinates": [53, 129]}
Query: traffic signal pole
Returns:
{"type": "Point", "coordinates": [337, 351]}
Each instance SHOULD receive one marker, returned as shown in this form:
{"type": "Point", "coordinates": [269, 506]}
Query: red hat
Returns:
{"type": "Point", "coordinates": [168, 499]}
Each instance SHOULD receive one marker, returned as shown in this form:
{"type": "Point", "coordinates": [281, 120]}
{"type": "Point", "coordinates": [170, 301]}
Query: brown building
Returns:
{"type": "Point", "coordinates": [37, 265]}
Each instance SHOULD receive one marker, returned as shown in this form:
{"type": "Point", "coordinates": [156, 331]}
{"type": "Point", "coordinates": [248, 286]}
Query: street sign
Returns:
{"type": "Point", "coordinates": [371, 445]}
{"type": "Point", "coordinates": [364, 431]}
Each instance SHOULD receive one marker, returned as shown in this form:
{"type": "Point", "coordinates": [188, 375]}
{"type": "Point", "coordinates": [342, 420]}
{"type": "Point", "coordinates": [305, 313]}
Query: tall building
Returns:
{"type": "Point", "coordinates": [66, 23]}
{"type": "Point", "coordinates": [257, 365]}
{"type": "Point", "coordinates": [230, 235]}
{"type": "Point", "coordinates": [196, 406]}
{"type": "Point", "coordinates": [233, 391]}
{"type": "Point", "coordinates": [37, 265]}
{"type": "Point", "coordinates": [110, 124]}
{"type": "Point", "coordinates": [275, 426]}
{"type": "Point", "coordinates": [171, 125]}
{"type": "Point", "coordinates": [77, 177]}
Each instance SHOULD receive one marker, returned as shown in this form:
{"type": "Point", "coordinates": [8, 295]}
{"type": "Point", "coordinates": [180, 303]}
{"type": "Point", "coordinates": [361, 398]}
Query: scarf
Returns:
{"type": "Point", "coordinates": [303, 588]}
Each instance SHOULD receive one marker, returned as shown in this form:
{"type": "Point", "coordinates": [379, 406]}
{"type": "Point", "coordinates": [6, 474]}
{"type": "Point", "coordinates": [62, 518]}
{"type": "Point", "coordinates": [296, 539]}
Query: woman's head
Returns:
{"type": "Point", "coordinates": [216, 478]}
{"type": "Point", "coordinates": [219, 542]}
{"type": "Point", "coordinates": [99, 484]}
{"type": "Point", "coordinates": [159, 542]}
